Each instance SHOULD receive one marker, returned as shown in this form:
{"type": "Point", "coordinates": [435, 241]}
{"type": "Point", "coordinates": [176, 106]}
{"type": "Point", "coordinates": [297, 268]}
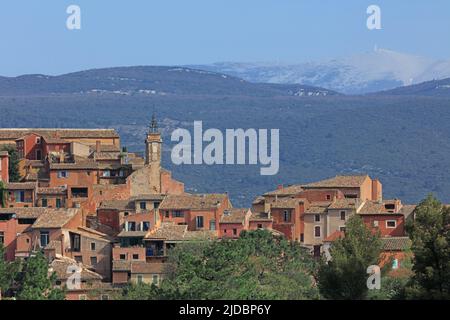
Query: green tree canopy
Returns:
{"type": "Point", "coordinates": [256, 266]}
{"type": "Point", "coordinates": [345, 277]}
{"type": "Point", "coordinates": [8, 272]}
{"type": "Point", "coordinates": [37, 284]}
{"type": "Point", "coordinates": [430, 236]}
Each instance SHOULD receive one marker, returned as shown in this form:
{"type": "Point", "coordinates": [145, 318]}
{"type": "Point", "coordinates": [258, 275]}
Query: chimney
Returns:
{"type": "Point", "coordinates": [377, 190]}
{"type": "Point", "coordinates": [61, 157]}
{"type": "Point", "coordinates": [97, 146]}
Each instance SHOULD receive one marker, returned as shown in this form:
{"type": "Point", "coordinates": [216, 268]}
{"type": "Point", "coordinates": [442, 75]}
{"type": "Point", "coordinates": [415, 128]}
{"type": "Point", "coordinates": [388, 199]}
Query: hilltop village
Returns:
{"type": "Point", "coordinates": [84, 200]}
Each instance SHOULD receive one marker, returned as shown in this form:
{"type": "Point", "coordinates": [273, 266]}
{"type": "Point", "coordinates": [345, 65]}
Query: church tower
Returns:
{"type": "Point", "coordinates": [153, 144]}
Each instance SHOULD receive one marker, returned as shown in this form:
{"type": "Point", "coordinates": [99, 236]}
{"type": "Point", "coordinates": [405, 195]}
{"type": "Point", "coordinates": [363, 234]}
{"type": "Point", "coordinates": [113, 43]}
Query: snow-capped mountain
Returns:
{"type": "Point", "coordinates": [373, 71]}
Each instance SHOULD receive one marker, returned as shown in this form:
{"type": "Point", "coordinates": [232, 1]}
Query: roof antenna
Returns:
{"type": "Point", "coordinates": [154, 124]}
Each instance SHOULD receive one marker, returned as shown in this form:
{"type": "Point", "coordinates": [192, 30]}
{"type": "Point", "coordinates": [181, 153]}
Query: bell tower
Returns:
{"type": "Point", "coordinates": [153, 144]}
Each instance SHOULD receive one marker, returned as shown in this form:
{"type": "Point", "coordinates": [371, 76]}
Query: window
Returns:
{"type": "Point", "coordinates": [145, 226]}
{"type": "Point", "coordinates": [135, 256]}
{"type": "Point", "coordinates": [342, 229]}
{"type": "Point", "coordinates": [328, 197]}
{"type": "Point", "coordinates": [167, 214]}
{"type": "Point", "coordinates": [26, 221]}
{"type": "Point", "coordinates": [199, 222]}
{"type": "Point", "coordinates": [122, 256]}
{"type": "Point", "coordinates": [63, 174]}
{"type": "Point", "coordinates": [75, 242]}
{"type": "Point", "coordinates": [178, 214]}
{"type": "Point", "coordinates": [155, 279]}
{"type": "Point", "coordinates": [44, 237]}
{"type": "Point", "coordinates": [317, 218]}
{"type": "Point", "coordinates": [78, 259]}
{"type": "Point", "coordinates": [317, 232]}
{"type": "Point", "coordinates": [156, 204]}
{"type": "Point", "coordinates": [58, 203]}
{"type": "Point", "coordinates": [93, 261]}
{"type": "Point", "coordinates": [234, 232]}
{"type": "Point", "coordinates": [19, 196]}
{"type": "Point", "coordinates": [302, 237]}
{"type": "Point", "coordinates": [38, 140]}
{"type": "Point", "coordinates": [260, 226]}
{"type": "Point", "coordinates": [343, 215]}
{"type": "Point", "coordinates": [131, 226]}
{"type": "Point", "coordinates": [391, 224]}
{"type": "Point", "coordinates": [286, 216]}
{"type": "Point", "coordinates": [2, 237]}
{"type": "Point", "coordinates": [92, 246]}
{"type": "Point", "coordinates": [395, 264]}
{"type": "Point", "coordinates": [143, 205]}
{"type": "Point", "coordinates": [351, 196]}
{"type": "Point", "coordinates": [212, 225]}
{"type": "Point", "coordinates": [79, 192]}
{"type": "Point", "coordinates": [38, 155]}
{"type": "Point", "coordinates": [44, 203]}
{"type": "Point", "coordinates": [140, 278]}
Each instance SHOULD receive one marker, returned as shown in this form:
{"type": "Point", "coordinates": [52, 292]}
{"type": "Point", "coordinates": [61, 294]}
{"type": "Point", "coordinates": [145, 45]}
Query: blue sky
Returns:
{"type": "Point", "coordinates": [34, 37]}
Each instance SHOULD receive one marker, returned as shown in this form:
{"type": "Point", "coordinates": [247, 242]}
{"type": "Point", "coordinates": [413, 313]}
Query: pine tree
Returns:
{"type": "Point", "coordinates": [8, 272]}
{"type": "Point", "coordinates": [37, 284]}
{"type": "Point", "coordinates": [345, 276]}
{"type": "Point", "coordinates": [430, 235]}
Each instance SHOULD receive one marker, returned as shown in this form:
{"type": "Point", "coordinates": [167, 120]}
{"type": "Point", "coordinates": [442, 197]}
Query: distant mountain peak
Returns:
{"type": "Point", "coordinates": [371, 71]}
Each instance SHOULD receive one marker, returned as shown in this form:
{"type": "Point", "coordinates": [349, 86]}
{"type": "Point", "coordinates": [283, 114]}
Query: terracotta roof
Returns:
{"type": "Point", "coordinates": [147, 268]}
{"type": "Point", "coordinates": [285, 203]}
{"type": "Point", "coordinates": [396, 243]}
{"type": "Point", "coordinates": [193, 202]}
{"type": "Point", "coordinates": [149, 197]}
{"type": "Point", "coordinates": [55, 218]}
{"type": "Point", "coordinates": [21, 186]}
{"type": "Point", "coordinates": [107, 155]}
{"type": "Point", "coordinates": [234, 215]}
{"type": "Point", "coordinates": [334, 236]}
{"type": "Point", "coordinates": [132, 234]}
{"type": "Point", "coordinates": [260, 216]}
{"type": "Point", "coordinates": [258, 200]}
{"type": "Point", "coordinates": [117, 204]}
{"type": "Point", "coordinates": [61, 264]}
{"type": "Point", "coordinates": [105, 148]}
{"type": "Point", "coordinates": [16, 133]}
{"type": "Point", "coordinates": [52, 191]}
{"type": "Point", "coordinates": [89, 164]}
{"type": "Point", "coordinates": [24, 213]}
{"type": "Point", "coordinates": [315, 209]}
{"type": "Point", "coordinates": [289, 190]}
{"type": "Point", "coordinates": [344, 204]}
{"type": "Point", "coordinates": [55, 140]}
{"type": "Point", "coordinates": [120, 265]}
{"type": "Point", "coordinates": [93, 234]}
{"type": "Point", "coordinates": [339, 182]}
{"type": "Point", "coordinates": [169, 231]}
{"type": "Point", "coordinates": [407, 209]}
